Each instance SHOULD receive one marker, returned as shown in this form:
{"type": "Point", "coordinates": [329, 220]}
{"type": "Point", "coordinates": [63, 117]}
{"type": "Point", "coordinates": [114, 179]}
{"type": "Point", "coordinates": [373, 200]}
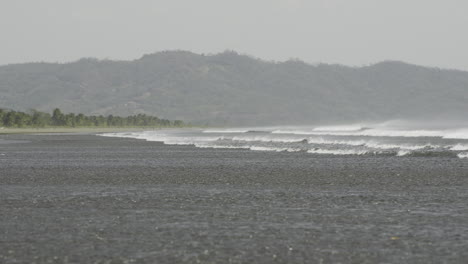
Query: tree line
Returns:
{"type": "Point", "coordinates": [33, 118]}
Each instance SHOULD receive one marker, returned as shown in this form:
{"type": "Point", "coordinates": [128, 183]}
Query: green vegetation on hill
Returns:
{"type": "Point", "coordinates": [14, 119]}
{"type": "Point", "coordinates": [232, 89]}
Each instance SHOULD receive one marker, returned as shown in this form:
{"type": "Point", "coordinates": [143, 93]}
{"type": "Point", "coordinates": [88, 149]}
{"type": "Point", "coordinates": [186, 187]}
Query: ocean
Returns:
{"type": "Point", "coordinates": [382, 139]}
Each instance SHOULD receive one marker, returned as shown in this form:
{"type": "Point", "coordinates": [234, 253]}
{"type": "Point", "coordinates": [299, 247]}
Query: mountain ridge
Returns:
{"type": "Point", "coordinates": [232, 89]}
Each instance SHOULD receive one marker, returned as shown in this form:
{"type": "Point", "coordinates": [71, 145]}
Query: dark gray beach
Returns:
{"type": "Point", "coordinates": [88, 199]}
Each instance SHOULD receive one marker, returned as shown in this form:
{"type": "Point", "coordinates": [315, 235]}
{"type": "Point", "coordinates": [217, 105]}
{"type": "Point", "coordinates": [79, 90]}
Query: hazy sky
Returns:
{"type": "Point", "coordinates": [351, 32]}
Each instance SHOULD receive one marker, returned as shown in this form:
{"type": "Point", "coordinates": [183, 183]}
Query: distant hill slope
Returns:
{"type": "Point", "coordinates": [232, 89]}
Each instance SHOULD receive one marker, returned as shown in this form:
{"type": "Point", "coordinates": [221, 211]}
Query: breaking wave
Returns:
{"type": "Point", "coordinates": [346, 140]}
{"type": "Point", "coordinates": [258, 148]}
{"type": "Point", "coordinates": [339, 151]}
{"type": "Point", "coordinates": [221, 131]}
{"type": "Point", "coordinates": [268, 139]}
{"type": "Point", "coordinates": [401, 153]}
{"type": "Point", "coordinates": [459, 147]}
{"type": "Point", "coordinates": [370, 132]}
{"type": "Point", "coordinates": [386, 129]}
{"type": "Point", "coordinates": [339, 128]}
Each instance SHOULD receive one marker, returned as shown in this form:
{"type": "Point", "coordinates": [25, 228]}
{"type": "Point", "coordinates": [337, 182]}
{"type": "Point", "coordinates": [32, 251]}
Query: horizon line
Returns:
{"type": "Point", "coordinates": [292, 59]}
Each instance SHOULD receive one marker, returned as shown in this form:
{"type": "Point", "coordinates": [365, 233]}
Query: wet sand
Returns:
{"type": "Point", "coordinates": [85, 199]}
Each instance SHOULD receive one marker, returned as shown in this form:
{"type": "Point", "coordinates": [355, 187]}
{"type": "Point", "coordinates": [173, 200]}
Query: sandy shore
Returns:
{"type": "Point", "coordinates": [85, 199]}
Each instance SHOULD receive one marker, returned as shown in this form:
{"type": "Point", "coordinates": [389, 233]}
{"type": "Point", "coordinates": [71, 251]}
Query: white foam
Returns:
{"type": "Point", "coordinates": [220, 131]}
{"type": "Point", "coordinates": [463, 155]}
{"type": "Point", "coordinates": [339, 128]}
{"type": "Point", "coordinates": [338, 151]}
{"type": "Point", "coordinates": [399, 133]}
{"type": "Point", "coordinates": [369, 144]}
{"type": "Point", "coordinates": [293, 132]}
{"type": "Point", "coordinates": [165, 138]}
{"type": "Point", "coordinates": [398, 146]}
{"type": "Point", "coordinates": [255, 148]}
{"type": "Point", "coordinates": [459, 147]}
{"type": "Point", "coordinates": [259, 148]}
{"type": "Point", "coordinates": [121, 135]}
{"type": "Point", "coordinates": [457, 134]}
{"type": "Point", "coordinates": [374, 132]}
{"type": "Point", "coordinates": [268, 138]}
{"type": "Point", "coordinates": [322, 141]}
{"type": "Point", "coordinates": [174, 140]}
{"type": "Point", "coordinates": [221, 146]}
{"type": "Point", "coordinates": [403, 153]}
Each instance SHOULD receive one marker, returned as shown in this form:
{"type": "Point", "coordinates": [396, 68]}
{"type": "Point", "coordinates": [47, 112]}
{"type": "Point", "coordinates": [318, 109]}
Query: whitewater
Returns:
{"type": "Point", "coordinates": [384, 139]}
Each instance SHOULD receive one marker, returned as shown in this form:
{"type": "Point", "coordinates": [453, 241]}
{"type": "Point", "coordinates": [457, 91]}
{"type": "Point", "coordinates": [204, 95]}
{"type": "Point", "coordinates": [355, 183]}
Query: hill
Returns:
{"type": "Point", "coordinates": [233, 89]}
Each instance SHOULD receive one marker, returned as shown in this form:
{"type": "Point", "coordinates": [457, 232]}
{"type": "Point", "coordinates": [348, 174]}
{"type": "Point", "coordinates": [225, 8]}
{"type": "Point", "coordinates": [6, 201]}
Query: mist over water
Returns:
{"type": "Point", "coordinates": [385, 139]}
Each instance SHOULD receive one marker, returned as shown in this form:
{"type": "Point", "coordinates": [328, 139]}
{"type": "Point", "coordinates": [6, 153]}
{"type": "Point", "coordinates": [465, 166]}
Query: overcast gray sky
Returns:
{"type": "Point", "coordinates": [351, 32]}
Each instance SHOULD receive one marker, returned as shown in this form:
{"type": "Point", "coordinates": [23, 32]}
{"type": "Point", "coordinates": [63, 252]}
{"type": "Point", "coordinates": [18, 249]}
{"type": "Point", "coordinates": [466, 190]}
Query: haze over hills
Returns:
{"type": "Point", "coordinates": [233, 89]}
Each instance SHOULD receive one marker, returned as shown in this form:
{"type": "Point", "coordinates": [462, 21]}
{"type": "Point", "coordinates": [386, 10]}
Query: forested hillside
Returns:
{"type": "Point", "coordinates": [233, 89]}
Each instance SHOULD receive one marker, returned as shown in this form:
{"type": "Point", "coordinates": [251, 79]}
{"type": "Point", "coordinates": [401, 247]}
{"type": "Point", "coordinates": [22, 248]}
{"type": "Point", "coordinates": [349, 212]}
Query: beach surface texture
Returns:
{"type": "Point", "coordinates": [82, 198]}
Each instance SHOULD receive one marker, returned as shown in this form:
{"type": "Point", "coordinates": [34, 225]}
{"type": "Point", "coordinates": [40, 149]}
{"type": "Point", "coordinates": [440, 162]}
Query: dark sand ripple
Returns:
{"type": "Point", "coordinates": [86, 199]}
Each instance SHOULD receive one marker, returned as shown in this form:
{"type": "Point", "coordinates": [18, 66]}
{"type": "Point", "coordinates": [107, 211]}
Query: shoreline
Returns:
{"type": "Point", "coordinates": [85, 130]}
